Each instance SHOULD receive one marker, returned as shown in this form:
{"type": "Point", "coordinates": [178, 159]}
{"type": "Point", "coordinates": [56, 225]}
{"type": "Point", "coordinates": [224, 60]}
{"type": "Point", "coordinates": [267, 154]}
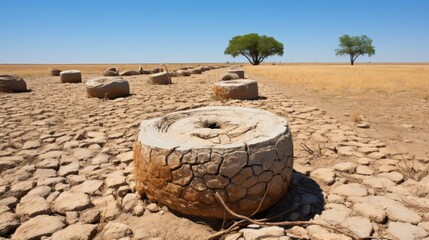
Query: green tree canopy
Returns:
{"type": "Point", "coordinates": [254, 47]}
{"type": "Point", "coordinates": [354, 46]}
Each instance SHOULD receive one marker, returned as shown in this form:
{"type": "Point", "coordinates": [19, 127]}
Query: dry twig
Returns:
{"type": "Point", "coordinates": [263, 222]}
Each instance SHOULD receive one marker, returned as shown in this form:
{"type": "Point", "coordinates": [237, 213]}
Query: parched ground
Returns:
{"type": "Point", "coordinates": [66, 165]}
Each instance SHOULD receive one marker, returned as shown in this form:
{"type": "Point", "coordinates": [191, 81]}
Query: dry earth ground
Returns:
{"type": "Point", "coordinates": [75, 153]}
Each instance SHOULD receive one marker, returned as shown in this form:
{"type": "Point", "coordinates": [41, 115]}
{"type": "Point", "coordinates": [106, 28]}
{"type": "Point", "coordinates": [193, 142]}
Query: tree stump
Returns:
{"type": "Point", "coordinates": [12, 83]}
{"type": "Point", "coordinates": [183, 159]}
{"type": "Point", "coordinates": [184, 73]}
{"type": "Point", "coordinates": [160, 78]}
{"type": "Point", "coordinates": [108, 87]}
{"type": "Point", "coordinates": [129, 73]}
{"type": "Point", "coordinates": [238, 71]}
{"type": "Point", "coordinates": [196, 71]}
{"type": "Point", "coordinates": [229, 76]}
{"type": "Point", "coordinates": [55, 72]}
{"type": "Point", "coordinates": [242, 89]}
{"type": "Point", "coordinates": [71, 76]}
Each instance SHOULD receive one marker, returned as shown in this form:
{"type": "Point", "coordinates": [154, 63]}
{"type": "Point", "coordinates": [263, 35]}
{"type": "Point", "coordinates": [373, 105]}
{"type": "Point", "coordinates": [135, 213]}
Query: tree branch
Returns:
{"type": "Point", "coordinates": [284, 223]}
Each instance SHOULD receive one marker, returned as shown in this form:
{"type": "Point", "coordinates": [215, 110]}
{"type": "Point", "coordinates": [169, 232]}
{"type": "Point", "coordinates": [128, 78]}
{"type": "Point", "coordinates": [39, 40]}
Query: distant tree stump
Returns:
{"type": "Point", "coordinates": [238, 71]}
{"type": "Point", "coordinates": [12, 83]}
{"type": "Point", "coordinates": [55, 72]}
{"type": "Point", "coordinates": [108, 87]}
{"type": "Point", "coordinates": [196, 71]}
{"type": "Point", "coordinates": [71, 76]}
{"type": "Point", "coordinates": [183, 159]}
{"type": "Point", "coordinates": [160, 78]}
{"type": "Point", "coordinates": [184, 73]}
{"type": "Point", "coordinates": [242, 89]}
{"type": "Point", "coordinates": [229, 76]}
{"type": "Point", "coordinates": [129, 73]}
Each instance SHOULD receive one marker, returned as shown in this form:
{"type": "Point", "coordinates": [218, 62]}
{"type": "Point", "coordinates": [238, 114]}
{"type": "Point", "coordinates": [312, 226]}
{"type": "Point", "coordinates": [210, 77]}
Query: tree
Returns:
{"type": "Point", "coordinates": [254, 47]}
{"type": "Point", "coordinates": [355, 46]}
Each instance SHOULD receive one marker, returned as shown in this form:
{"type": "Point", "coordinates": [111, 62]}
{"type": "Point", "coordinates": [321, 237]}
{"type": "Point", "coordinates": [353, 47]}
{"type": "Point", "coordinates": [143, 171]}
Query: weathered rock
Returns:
{"type": "Point", "coordinates": [125, 157]}
{"type": "Point", "coordinates": [8, 222]}
{"type": "Point", "coordinates": [31, 145]}
{"type": "Point", "coordinates": [107, 87]}
{"type": "Point", "coordinates": [184, 169]}
{"type": "Point", "coordinates": [243, 89]}
{"type": "Point", "coordinates": [115, 230]}
{"type": "Point", "coordinates": [350, 190]}
{"type": "Point", "coordinates": [71, 76]}
{"type": "Point", "coordinates": [115, 179]}
{"type": "Point", "coordinates": [160, 78]}
{"type": "Point", "coordinates": [21, 188]}
{"type": "Point", "coordinates": [347, 167]}
{"type": "Point", "coordinates": [334, 216]}
{"type": "Point", "coordinates": [153, 207]}
{"type": "Point", "coordinates": [255, 234]}
{"type": "Point", "coordinates": [89, 187]}
{"type": "Point", "coordinates": [39, 226]}
{"type": "Point", "coordinates": [71, 201]}
{"type": "Point", "coordinates": [359, 226]}
{"type": "Point", "coordinates": [90, 216]}
{"type": "Point", "coordinates": [31, 208]}
{"type": "Point", "coordinates": [72, 168]}
{"type": "Point", "coordinates": [130, 201]}
{"type": "Point", "coordinates": [76, 231]}
{"type": "Point", "coordinates": [405, 231]}
{"type": "Point", "coordinates": [371, 211]}
{"type": "Point", "coordinates": [12, 83]}
{"type": "Point", "coordinates": [325, 175]}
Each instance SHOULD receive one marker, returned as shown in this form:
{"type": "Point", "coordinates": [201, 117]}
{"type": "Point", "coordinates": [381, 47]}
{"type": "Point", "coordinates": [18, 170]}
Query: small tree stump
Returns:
{"type": "Point", "coordinates": [110, 73]}
{"type": "Point", "coordinates": [184, 73]}
{"type": "Point", "coordinates": [55, 72]}
{"type": "Point", "coordinates": [160, 78]}
{"type": "Point", "coordinates": [229, 76]}
{"type": "Point", "coordinates": [129, 73]}
{"type": "Point", "coordinates": [196, 71]}
{"type": "Point", "coordinates": [183, 159]}
{"type": "Point", "coordinates": [242, 89]}
{"type": "Point", "coordinates": [71, 76]}
{"type": "Point", "coordinates": [238, 71]}
{"type": "Point", "coordinates": [12, 83]}
{"type": "Point", "coordinates": [108, 87]}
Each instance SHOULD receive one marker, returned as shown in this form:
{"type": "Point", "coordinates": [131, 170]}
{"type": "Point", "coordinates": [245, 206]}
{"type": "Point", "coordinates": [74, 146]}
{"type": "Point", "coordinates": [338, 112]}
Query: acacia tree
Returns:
{"type": "Point", "coordinates": [254, 47]}
{"type": "Point", "coordinates": [355, 46]}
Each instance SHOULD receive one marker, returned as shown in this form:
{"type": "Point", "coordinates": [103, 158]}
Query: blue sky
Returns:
{"type": "Point", "coordinates": [131, 31]}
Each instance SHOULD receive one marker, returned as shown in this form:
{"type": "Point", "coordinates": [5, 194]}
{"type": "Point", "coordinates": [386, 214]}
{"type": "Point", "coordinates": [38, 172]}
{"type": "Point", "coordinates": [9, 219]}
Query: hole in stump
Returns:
{"type": "Point", "coordinates": [211, 125]}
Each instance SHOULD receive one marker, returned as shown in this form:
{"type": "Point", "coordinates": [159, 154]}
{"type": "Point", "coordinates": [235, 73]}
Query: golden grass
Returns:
{"type": "Point", "coordinates": [379, 77]}
{"type": "Point", "coordinates": [32, 70]}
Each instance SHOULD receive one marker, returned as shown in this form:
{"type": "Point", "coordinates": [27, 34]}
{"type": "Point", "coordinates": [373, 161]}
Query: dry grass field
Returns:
{"type": "Point", "coordinates": [380, 77]}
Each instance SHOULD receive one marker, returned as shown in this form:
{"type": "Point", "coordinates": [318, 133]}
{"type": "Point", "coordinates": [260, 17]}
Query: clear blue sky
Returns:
{"type": "Point", "coordinates": [127, 31]}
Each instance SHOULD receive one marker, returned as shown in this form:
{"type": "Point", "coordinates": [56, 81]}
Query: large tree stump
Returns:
{"type": "Point", "coordinates": [12, 83]}
{"type": "Point", "coordinates": [108, 87]}
{"type": "Point", "coordinates": [242, 89]}
{"type": "Point", "coordinates": [182, 159]}
{"type": "Point", "coordinates": [71, 76]}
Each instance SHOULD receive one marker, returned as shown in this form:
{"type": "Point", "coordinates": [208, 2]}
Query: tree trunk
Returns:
{"type": "Point", "coordinates": [352, 61]}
